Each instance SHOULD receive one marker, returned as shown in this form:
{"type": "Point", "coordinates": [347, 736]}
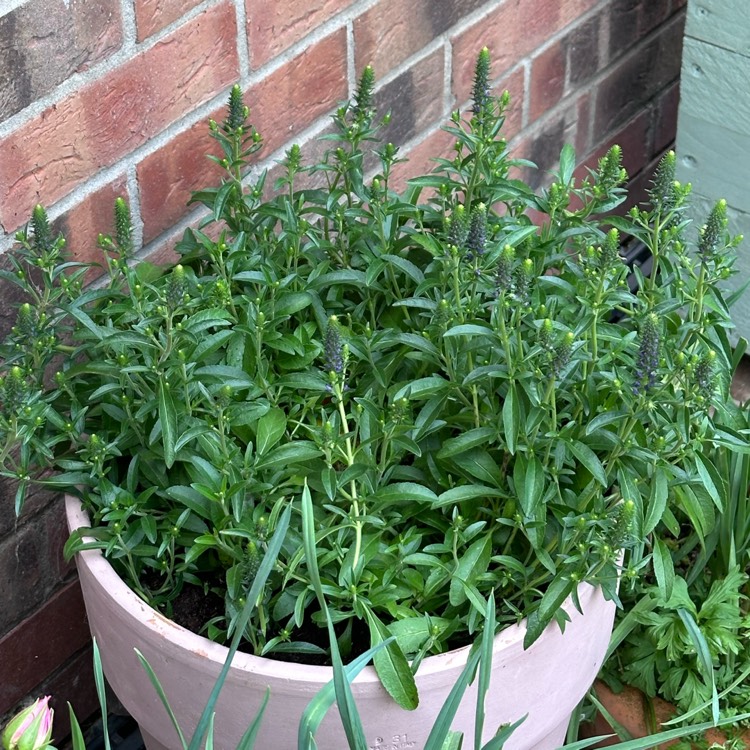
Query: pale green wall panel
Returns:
{"type": "Point", "coordinates": [715, 159]}
{"type": "Point", "coordinates": [713, 132]}
{"type": "Point", "coordinates": [720, 22]}
{"type": "Point", "coordinates": [715, 84]}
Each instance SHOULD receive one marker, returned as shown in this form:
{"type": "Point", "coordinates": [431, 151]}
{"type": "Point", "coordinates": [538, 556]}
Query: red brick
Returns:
{"type": "Point", "coordinates": [511, 32]}
{"type": "Point", "coordinates": [665, 129]}
{"type": "Point", "coordinates": [582, 46]}
{"type": "Point", "coordinates": [414, 98]}
{"type": "Point", "coordinates": [167, 177]}
{"type": "Point", "coordinates": [515, 84]}
{"type": "Point", "coordinates": [583, 128]}
{"type": "Point", "coordinates": [393, 30]}
{"type": "Point", "coordinates": [73, 683]}
{"type": "Point", "coordinates": [153, 15]}
{"type": "Point", "coordinates": [42, 643]}
{"type": "Point", "coordinates": [31, 565]}
{"type": "Point", "coordinates": [420, 158]}
{"type": "Point", "coordinates": [634, 140]}
{"type": "Point", "coordinates": [44, 42]}
{"type": "Point", "coordinates": [94, 127]}
{"type": "Point", "coordinates": [83, 223]}
{"type": "Point", "coordinates": [547, 80]}
{"type": "Point", "coordinates": [295, 95]}
{"type": "Point", "coordinates": [274, 27]}
{"type": "Point", "coordinates": [638, 78]}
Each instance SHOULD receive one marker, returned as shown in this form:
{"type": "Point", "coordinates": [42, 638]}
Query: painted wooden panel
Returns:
{"type": "Point", "coordinates": [720, 22]}
{"type": "Point", "coordinates": [713, 134]}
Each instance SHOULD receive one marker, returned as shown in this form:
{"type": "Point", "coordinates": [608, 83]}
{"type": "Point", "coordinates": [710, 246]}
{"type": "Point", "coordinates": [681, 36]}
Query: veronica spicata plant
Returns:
{"type": "Point", "coordinates": [476, 403]}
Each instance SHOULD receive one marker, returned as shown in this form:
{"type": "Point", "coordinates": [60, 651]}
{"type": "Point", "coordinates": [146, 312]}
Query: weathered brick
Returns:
{"type": "Point", "coordinates": [414, 98]}
{"type": "Point", "coordinates": [420, 158]}
{"type": "Point", "coordinates": [153, 15]}
{"type": "Point", "coordinates": [630, 20]}
{"type": "Point", "coordinates": [72, 683]}
{"type": "Point", "coordinates": [99, 124]}
{"type": "Point", "coordinates": [547, 80]}
{"type": "Point", "coordinates": [294, 96]}
{"type": "Point", "coordinates": [30, 565]}
{"type": "Point", "coordinates": [634, 138]}
{"type": "Point", "coordinates": [274, 27]}
{"type": "Point", "coordinates": [638, 78]}
{"type": "Point", "coordinates": [545, 145]}
{"type": "Point", "coordinates": [393, 30]}
{"type": "Point", "coordinates": [583, 126]}
{"type": "Point", "coordinates": [83, 223]}
{"type": "Point", "coordinates": [44, 42]}
{"type": "Point", "coordinates": [167, 177]}
{"type": "Point", "coordinates": [665, 128]}
{"type": "Point", "coordinates": [582, 45]}
{"type": "Point", "coordinates": [42, 643]}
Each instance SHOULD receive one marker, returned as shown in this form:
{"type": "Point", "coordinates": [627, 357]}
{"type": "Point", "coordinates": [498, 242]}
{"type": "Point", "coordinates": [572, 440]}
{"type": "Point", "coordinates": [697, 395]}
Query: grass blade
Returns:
{"type": "Point", "coordinates": [485, 668]}
{"type": "Point", "coordinates": [162, 695]}
{"type": "Point", "coordinates": [266, 566]}
{"type": "Point", "coordinates": [442, 725]}
{"type": "Point", "coordinates": [100, 691]}
{"type": "Point", "coordinates": [499, 740]}
{"type": "Point", "coordinates": [704, 657]}
{"type": "Point", "coordinates": [318, 707]}
{"type": "Point", "coordinates": [350, 718]}
{"type": "Point", "coordinates": [76, 736]}
{"type": "Point", "coordinates": [248, 739]}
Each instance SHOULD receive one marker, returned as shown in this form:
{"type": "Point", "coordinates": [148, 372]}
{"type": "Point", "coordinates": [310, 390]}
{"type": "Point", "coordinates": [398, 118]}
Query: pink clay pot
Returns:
{"type": "Point", "coordinates": [546, 682]}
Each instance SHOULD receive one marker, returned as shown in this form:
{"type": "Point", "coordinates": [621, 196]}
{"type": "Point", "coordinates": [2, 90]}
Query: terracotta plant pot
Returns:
{"type": "Point", "coordinates": [631, 709]}
{"type": "Point", "coordinates": [546, 682]}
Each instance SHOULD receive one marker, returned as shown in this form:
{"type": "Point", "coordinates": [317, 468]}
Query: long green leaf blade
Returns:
{"type": "Point", "coordinates": [168, 420]}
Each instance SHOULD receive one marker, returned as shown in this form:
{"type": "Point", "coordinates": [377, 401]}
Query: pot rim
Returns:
{"type": "Point", "coordinates": [127, 600]}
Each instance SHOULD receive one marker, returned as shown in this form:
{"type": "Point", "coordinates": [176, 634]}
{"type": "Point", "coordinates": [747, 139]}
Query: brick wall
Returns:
{"type": "Point", "coordinates": [107, 98]}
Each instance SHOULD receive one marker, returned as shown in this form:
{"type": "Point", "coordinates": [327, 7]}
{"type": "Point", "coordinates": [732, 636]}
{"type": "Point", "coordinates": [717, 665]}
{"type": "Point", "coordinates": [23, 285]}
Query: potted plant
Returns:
{"type": "Point", "coordinates": [467, 402]}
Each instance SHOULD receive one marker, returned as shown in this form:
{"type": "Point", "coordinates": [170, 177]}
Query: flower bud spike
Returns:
{"type": "Point", "coordinates": [481, 92]}
{"type": "Point", "coordinates": [123, 226]}
{"type": "Point", "coordinates": [662, 193]}
{"type": "Point", "coordinates": [476, 239]}
{"type": "Point", "coordinates": [41, 228]}
{"type": "Point", "coordinates": [235, 110]}
{"type": "Point", "coordinates": [712, 231]}
{"type": "Point", "coordinates": [363, 96]}
{"type": "Point", "coordinates": [648, 355]}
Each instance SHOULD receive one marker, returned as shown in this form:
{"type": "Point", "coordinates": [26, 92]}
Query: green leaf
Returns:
{"type": "Point", "coordinates": [557, 592]}
{"type": "Point", "coordinates": [588, 459]}
{"type": "Point", "coordinates": [466, 441]}
{"type": "Point", "coordinates": [392, 666]}
{"type": "Point", "coordinates": [464, 492]}
{"type": "Point", "coordinates": [567, 163]}
{"type": "Point", "coordinates": [704, 658]}
{"type": "Point", "coordinates": [289, 453]}
{"type": "Point", "coordinates": [712, 481]}
{"type": "Point", "coordinates": [271, 427]}
{"type": "Point", "coordinates": [473, 563]}
{"type": "Point", "coordinates": [403, 492]}
{"type": "Point", "coordinates": [511, 418]}
{"type": "Point", "coordinates": [168, 420]}
{"type": "Point", "coordinates": [481, 466]}
{"type": "Point", "coordinates": [528, 479]}
{"type": "Point", "coordinates": [470, 330]}
{"type": "Point", "coordinates": [658, 501]}
{"type": "Point", "coordinates": [292, 302]}
{"type": "Point", "coordinates": [663, 568]}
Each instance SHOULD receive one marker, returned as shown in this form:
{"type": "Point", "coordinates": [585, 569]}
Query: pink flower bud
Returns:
{"type": "Point", "coordinates": [30, 729]}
